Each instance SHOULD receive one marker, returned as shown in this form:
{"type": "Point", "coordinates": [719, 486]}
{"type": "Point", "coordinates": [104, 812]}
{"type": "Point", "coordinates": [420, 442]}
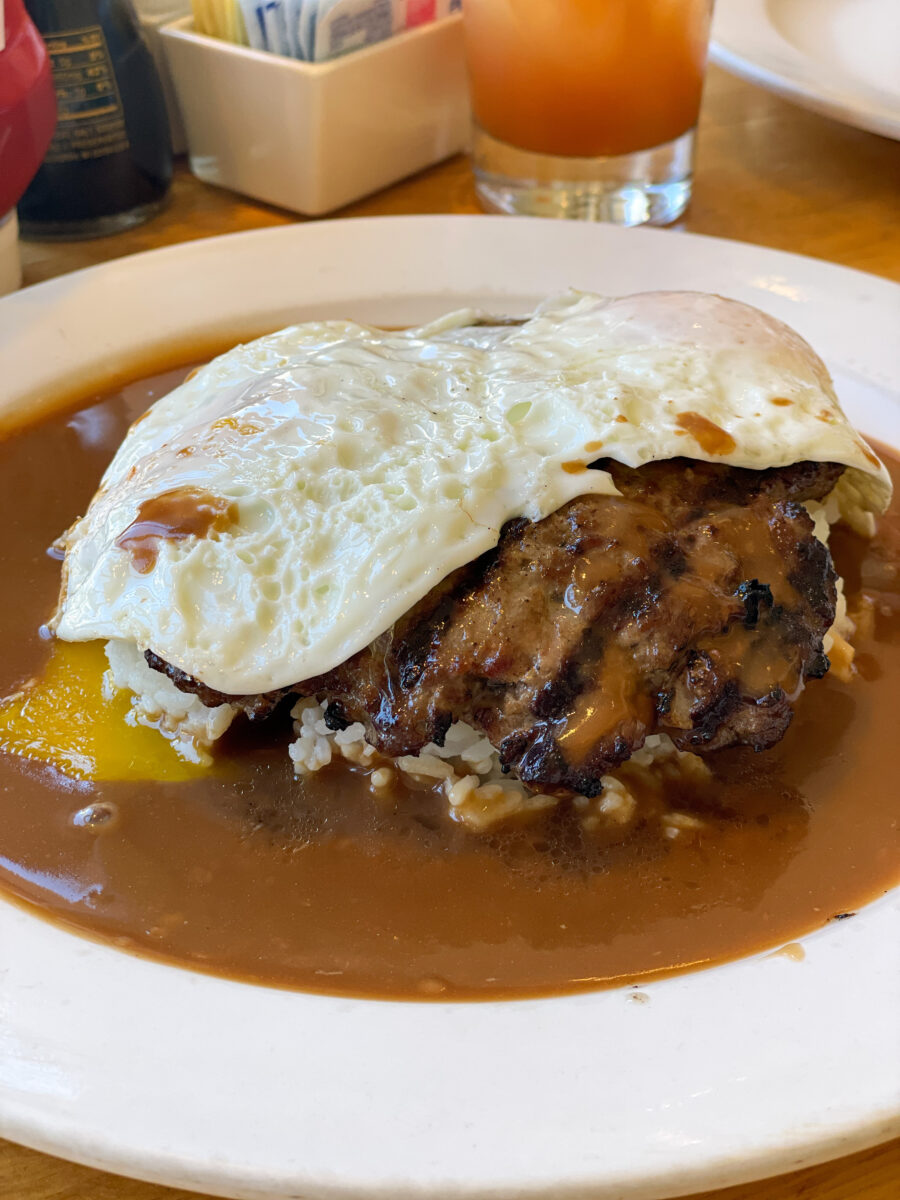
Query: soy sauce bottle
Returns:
{"type": "Point", "coordinates": [109, 165]}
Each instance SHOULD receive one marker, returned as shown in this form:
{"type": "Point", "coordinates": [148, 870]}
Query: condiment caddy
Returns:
{"type": "Point", "coordinates": [314, 136]}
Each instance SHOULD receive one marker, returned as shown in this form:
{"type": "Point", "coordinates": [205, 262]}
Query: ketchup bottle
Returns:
{"type": "Point", "coordinates": [109, 165]}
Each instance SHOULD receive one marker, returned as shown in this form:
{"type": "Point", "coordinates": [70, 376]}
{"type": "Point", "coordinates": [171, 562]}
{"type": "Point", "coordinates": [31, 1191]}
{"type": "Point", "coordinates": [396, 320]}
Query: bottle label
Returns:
{"type": "Point", "coordinates": [91, 122]}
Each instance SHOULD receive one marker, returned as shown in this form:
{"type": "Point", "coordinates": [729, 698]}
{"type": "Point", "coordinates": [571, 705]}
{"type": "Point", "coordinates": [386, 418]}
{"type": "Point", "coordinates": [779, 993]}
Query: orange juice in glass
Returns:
{"type": "Point", "coordinates": [586, 108]}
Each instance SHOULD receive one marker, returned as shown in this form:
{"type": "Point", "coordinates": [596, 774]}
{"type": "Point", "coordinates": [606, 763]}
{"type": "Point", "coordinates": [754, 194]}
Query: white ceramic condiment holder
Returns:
{"type": "Point", "coordinates": [312, 137]}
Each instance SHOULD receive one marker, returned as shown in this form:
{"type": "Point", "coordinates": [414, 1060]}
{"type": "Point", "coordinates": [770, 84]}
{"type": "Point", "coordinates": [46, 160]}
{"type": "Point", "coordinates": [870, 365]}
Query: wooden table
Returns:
{"type": "Point", "coordinates": [768, 173]}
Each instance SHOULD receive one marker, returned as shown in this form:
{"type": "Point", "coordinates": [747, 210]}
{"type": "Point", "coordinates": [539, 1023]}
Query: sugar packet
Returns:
{"type": "Point", "coordinates": [218, 18]}
{"type": "Point", "coordinates": [343, 26]}
{"type": "Point", "coordinates": [315, 30]}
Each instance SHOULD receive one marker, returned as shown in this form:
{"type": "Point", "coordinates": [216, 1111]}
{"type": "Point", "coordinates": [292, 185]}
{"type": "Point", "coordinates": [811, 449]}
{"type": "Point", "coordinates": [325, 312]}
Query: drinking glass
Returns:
{"type": "Point", "coordinates": [586, 108]}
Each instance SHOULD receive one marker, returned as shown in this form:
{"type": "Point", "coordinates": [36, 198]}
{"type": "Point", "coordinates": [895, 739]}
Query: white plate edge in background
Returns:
{"type": "Point", "coordinates": [746, 43]}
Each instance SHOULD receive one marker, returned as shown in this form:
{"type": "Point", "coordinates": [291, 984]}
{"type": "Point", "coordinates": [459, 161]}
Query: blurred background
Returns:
{"type": "Point", "coordinates": [184, 119]}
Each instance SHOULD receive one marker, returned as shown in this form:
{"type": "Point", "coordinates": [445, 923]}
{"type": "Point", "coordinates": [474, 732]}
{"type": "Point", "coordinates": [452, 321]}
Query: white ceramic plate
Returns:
{"type": "Point", "coordinates": [837, 57]}
{"type": "Point", "coordinates": [732, 1073]}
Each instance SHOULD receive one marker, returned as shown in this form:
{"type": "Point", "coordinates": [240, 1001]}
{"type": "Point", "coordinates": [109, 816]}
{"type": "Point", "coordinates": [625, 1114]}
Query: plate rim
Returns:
{"type": "Point", "coordinates": [770, 61]}
{"type": "Point", "coordinates": [806, 1146]}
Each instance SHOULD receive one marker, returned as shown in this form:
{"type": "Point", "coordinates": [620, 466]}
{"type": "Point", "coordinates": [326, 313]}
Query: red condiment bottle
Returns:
{"type": "Point", "coordinates": [27, 103]}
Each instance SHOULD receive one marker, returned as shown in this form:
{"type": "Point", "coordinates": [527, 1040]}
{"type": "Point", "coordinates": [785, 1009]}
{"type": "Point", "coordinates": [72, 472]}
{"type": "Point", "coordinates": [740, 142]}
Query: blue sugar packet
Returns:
{"type": "Point", "coordinates": [292, 21]}
{"type": "Point", "coordinates": [255, 23]}
{"type": "Point", "coordinates": [318, 30]}
{"type": "Point", "coordinates": [346, 25]}
{"type": "Point", "coordinates": [266, 23]}
{"type": "Point", "coordinates": [306, 32]}
{"type": "Point", "coordinates": [276, 27]}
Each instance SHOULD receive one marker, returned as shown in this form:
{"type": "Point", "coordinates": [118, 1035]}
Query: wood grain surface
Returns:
{"type": "Point", "coordinates": [768, 173]}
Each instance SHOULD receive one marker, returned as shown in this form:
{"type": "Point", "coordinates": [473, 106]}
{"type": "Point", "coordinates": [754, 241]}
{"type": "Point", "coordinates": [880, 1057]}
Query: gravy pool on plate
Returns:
{"type": "Point", "coordinates": [250, 873]}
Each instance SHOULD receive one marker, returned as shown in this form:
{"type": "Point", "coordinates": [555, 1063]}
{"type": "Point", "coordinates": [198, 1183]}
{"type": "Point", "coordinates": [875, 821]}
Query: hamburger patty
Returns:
{"type": "Point", "coordinates": [694, 604]}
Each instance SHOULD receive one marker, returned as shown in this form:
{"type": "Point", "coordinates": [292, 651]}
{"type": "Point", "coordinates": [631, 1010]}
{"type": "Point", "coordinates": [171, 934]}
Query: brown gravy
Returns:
{"type": "Point", "coordinates": [182, 513]}
{"type": "Point", "coordinates": [709, 437]}
{"type": "Point", "coordinates": [314, 885]}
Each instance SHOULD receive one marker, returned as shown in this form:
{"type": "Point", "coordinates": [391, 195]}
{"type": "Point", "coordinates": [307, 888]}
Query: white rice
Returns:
{"type": "Point", "coordinates": [836, 642]}
{"type": "Point", "coordinates": [849, 502]}
{"type": "Point", "coordinates": [467, 768]}
{"type": "Point", "coordinates": [188, 724]}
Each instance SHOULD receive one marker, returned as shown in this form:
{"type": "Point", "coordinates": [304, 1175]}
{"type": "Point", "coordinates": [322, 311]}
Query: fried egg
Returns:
{"type": "Point", "coordinates": [284, 506]}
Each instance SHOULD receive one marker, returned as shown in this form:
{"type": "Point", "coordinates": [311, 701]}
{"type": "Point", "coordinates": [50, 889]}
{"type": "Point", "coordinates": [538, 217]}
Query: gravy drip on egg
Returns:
{"type": "Point", "coordinates": [181, 513]}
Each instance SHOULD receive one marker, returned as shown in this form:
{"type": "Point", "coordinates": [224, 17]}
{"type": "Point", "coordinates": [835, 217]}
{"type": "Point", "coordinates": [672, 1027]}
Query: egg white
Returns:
{"type": "Point", "coordinates": [366, 465]}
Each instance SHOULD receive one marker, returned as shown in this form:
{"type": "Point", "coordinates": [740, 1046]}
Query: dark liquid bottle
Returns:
{"type": "Point", "coordinates": [109, 165]}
